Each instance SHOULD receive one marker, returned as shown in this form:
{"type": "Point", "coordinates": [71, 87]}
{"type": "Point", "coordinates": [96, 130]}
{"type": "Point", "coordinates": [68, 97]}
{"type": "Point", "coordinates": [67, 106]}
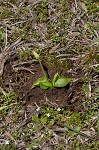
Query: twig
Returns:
{"type": "Point", "coordinates": [23, 68]}
{"type": "Point", "coordinates": [1, 108]}
{"type": "Point", "coordinates": [24, 63]}
{"type": "Point", "coordinates": [76, 4]}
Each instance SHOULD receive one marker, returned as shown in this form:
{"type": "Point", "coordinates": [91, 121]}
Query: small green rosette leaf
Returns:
{"type": "Point", "coordinates": [61, 81]}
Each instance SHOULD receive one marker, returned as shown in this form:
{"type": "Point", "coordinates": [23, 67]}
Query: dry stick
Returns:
{"type": "Point", "coordinates": [24, 63]}
{"type": "Point", "coordinates": [3, 59]}
{"type": "Point", "coordinates": [5, 94]}
{"type": "Point", "coordinates": [75, 130]}
{"type": "Point", "coordinates": [18, 42]}
{"type": "Point", "coordinates": [23, 68]}
{"type": "Point", "coordinates": [6, 54]}
{"type": "Point", "coordinates": [76, 4]}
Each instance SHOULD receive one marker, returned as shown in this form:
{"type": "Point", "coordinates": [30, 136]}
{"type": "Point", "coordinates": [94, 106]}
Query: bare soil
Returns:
{"type": "Point", "coordinates": [21, 80]}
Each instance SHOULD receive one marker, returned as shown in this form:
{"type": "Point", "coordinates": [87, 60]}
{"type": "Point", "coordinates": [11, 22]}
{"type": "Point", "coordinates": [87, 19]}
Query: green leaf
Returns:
{"type": "Point", "coordinates": [86, 89]}
{"type": "Point", "coordinates": [78, 128]}
{"type": "Point", "coordinates": [62, 81]}
{"type": "Point", "coordinates": [44, 120]}
{"type": "Point", "coordinates": [52, 122]}
{"type": "Point", "coordinates": [37, 127]}
{"type": "Point", "coordinates": [45, 83]}
{"type": "Point", "coordinates": [35, 119]}
{"type": "Point", "coordinates": [43, 87]}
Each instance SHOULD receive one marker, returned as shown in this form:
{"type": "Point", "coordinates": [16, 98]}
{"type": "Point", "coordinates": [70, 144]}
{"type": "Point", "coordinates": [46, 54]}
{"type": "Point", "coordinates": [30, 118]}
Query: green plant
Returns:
{"type": "Point", "coordinates": [45, 83]}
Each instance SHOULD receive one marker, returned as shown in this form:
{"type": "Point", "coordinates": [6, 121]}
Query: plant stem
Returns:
{"type": "Point", "coordinates": [42, 68]}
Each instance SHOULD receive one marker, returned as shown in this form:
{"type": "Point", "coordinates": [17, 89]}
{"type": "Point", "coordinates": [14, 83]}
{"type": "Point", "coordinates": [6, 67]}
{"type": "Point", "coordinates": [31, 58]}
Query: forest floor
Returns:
{"type": "Point", "coordinates": [65, 34]}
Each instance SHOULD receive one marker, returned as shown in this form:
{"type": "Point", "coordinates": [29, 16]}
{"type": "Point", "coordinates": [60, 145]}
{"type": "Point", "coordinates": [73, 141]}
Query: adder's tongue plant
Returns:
{"type": "Point", "coordinates": [45, 83]}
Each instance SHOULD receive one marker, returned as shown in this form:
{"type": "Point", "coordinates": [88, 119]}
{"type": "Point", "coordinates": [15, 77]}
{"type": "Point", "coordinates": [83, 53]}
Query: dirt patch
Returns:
{"type": "Point", "coordinates": [20, 80]}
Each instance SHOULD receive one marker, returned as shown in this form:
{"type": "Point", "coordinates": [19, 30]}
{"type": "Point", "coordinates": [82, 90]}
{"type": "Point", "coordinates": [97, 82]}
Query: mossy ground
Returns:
{"type": "Point", "coordinates": [65, 35]}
